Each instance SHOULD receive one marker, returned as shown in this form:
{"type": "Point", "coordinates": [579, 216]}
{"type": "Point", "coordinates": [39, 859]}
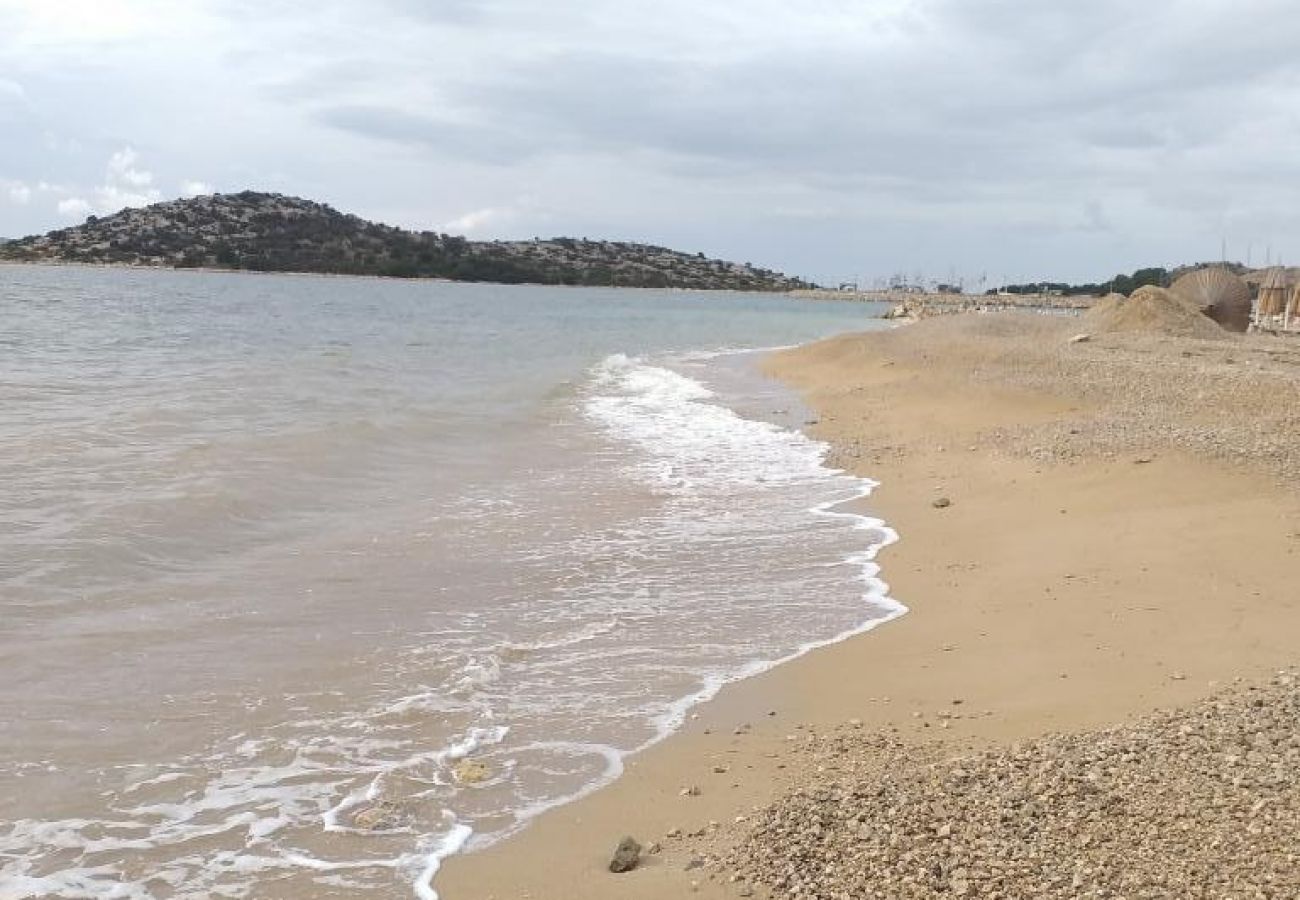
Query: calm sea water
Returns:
{"type": "Point", "coordinates": [307, 582]}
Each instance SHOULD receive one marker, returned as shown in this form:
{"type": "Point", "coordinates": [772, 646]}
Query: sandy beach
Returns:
{"type": "Point", "coordinates": [1090, 531]}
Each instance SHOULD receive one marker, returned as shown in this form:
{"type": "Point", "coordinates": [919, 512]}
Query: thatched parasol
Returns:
{"type": "Point", "coordinates": [1272, 293]}
{"type": "Point", "coordinates": [1219, 294]}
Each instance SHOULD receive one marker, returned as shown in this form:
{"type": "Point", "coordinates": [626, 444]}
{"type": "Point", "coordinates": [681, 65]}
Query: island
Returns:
{"type": "Point", "coordinates": [265, 232]}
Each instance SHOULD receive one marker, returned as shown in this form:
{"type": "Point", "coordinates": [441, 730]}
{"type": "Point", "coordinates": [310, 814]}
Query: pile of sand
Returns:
{"type": "Point", "coordinates": [1152, 310]}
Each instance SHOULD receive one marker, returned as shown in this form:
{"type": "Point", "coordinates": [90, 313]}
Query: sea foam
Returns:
{"type": "Point", "coordinates": [741, 551]}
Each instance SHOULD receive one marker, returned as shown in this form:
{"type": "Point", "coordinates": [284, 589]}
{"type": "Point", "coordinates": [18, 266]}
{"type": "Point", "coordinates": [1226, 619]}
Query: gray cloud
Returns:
{"type": "Point", "coordinates": [487, 144]}
{"type": "Point", "coordinates": [1016, 136]}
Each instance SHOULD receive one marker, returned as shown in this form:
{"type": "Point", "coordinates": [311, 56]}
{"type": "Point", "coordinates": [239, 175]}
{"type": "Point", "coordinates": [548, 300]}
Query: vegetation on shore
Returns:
{"type": "Point", "coordinates": [1155, 276]}
{"type": "Point", "coordinates": [274, 233]}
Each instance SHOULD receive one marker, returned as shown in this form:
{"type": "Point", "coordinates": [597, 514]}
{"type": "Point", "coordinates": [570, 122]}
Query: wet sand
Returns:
{"type": "Point", "coordinates": [1123, 535]}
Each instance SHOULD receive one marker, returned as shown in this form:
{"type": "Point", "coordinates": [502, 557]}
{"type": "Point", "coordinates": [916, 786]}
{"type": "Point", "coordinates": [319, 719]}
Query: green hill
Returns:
{"type": "Point", "coordinates": [274, 233]}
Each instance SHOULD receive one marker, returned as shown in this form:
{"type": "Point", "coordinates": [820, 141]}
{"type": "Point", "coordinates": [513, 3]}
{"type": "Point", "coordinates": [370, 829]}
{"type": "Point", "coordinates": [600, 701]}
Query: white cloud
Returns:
{"type": "Point", "coordinates": [74, 207]}
{"type": "Point", "coordinates": [40, 25]}
{"type": "Point", "coordinates": [196, 188]}
{"type": "Point", "coordinates": [18, 193]}
{"type": "Point", "coordinates": [122, 170]}
{"type": "Point", "coordinates": [125, 184]}
{"type": "Point", "coordinates": [478, 220]}
{"type": "Point", "coordinates": [12, 90]}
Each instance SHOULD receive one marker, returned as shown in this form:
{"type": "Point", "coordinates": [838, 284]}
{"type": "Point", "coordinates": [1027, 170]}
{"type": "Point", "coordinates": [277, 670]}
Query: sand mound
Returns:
{"type": "Point", "coordinates": [1108, 304]}
{"type": "Point", "coordinates": [1152, 310]}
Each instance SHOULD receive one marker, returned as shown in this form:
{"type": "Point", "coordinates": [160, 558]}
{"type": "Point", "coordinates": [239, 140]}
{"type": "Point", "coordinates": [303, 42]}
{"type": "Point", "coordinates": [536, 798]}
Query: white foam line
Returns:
{"type": "Point", "coordinates": [472, 740]}
{"type": "Point", "coordinates": [451, 844]}
{"type": "Point", "coordinates": [876, 597]}
{"type": "Point", "coordinates": [581, 635]}
{"type": "Point", "coordinates": [667, 385]}
{"type": "Point", "coordinates": [613, 770]}
{"type": "Point", "coordinates": [705, 355]}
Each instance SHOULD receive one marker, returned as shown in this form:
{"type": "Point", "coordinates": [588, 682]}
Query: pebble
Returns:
{"type": "Point", "coordinates": [1146, 396]}
{"type": "Point", "coordinates": [626, 856]}
{"type": "Point", "coordinates": [1199, 802]}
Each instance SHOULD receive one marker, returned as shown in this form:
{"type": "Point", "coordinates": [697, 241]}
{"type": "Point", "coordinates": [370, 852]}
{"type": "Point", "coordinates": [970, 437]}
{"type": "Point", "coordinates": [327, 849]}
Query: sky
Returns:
{"type": "Point", "coordinates": [982, 140]}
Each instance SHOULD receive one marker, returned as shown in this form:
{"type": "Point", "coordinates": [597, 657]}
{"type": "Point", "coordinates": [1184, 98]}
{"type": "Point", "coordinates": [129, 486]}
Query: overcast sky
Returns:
{"type": "Point", "coordinates": [827, 138]}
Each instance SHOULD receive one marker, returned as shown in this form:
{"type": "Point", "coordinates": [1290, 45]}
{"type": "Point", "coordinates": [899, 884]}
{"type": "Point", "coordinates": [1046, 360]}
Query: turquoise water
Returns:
{"type": "Point", "coordinates": [280, 552]}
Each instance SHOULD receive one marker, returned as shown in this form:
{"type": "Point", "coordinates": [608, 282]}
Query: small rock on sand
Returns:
{"type": "Point", "coordinates": [379, 816]}
{"type": "Point", "coordinates": [471, 771]}
{"type": "Point", "coordinates": [941, 503]}
{"type": "Point", "coordinates": [626, 856]}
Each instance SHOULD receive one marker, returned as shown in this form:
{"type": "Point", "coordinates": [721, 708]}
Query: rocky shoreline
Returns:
{"type": "Point", "coordinates": [1201, 802]}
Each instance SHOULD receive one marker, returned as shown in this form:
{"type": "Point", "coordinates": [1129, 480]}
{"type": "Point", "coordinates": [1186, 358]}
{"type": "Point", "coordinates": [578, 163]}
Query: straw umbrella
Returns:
{"type": "Point", "coordinates": [1272, 299]}
{"type": "Point", "coordinates": [1219, 294]}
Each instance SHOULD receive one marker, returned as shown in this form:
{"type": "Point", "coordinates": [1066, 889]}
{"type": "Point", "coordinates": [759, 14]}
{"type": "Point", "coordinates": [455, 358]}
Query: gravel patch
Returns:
{"type": "Point", "coordinates": [1235, 398]}
{"type": "Point", "coordinates": [1198, 803]}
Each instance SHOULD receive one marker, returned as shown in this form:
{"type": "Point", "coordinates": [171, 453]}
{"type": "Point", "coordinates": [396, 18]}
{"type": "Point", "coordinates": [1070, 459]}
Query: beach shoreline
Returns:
{"type": "Point", "coordinates": [413, 279]}
{"type": "Point", "coordinates": [1068, 567]}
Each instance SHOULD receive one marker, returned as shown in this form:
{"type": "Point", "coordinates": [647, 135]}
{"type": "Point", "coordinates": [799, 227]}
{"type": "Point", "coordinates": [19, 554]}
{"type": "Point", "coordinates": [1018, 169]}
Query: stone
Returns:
{"type": "Point", "coordinates": [941, 503]}
{"type": "Point", "coordinates": [1080, 338]}
{"type": "Point", "coordinates": [471, 771]}
{"type": "Point", "coordinates": [626, 856]}
{"type": "Point", "coordinates": [383, 815]}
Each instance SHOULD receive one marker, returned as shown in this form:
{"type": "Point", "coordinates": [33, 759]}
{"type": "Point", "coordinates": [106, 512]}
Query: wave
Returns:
{"type": "Point", "coordinates": [696, 448]}
{"type": "Point", "coordinates": [677, 519]}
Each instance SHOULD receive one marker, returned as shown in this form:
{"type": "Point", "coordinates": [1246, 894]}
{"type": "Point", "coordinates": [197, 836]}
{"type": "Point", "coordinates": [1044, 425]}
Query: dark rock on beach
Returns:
{"type": "Point", "coordinates": [626, 856]}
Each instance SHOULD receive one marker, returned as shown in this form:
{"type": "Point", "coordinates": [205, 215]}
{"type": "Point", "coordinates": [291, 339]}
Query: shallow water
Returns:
{"type": "Point", "coordinates": [275, 550]}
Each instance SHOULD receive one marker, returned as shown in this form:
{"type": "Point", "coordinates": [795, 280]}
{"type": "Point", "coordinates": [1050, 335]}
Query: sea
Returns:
{"type": "Point", "coordinates": [307, 583]}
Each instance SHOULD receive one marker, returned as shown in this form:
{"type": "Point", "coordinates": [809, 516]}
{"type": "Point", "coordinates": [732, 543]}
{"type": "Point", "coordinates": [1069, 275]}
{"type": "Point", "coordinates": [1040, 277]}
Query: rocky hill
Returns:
{"type": "Point", "coordinates": [275, 233]}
